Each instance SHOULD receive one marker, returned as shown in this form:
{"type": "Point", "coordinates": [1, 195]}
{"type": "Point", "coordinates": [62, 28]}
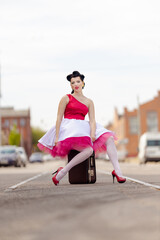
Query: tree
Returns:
{"type": "Point", "coordinates": [37, 133]}
{"type": "Point", "coordinates": [14, 136]}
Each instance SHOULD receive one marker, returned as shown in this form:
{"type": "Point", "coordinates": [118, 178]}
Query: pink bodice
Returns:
{"type": "Point", "coordinates": [75, 109]}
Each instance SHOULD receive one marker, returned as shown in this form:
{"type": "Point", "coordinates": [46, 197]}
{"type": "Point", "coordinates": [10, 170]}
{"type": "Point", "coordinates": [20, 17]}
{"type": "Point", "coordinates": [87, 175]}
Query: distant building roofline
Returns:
{"type": "Point", "coordinates": [11, 112]}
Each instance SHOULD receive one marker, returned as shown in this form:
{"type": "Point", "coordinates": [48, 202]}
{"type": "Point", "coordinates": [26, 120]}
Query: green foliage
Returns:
{"type": "Point", "coordinates": [14, 136]}
{"type": "Point", "coordinates": [37, 133]}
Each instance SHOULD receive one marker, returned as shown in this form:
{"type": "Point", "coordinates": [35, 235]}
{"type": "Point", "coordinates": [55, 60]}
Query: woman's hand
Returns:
{"type": "Point", "coordinates": [93, 138]}
{"type": "Point", "coordinates": [56, 141]}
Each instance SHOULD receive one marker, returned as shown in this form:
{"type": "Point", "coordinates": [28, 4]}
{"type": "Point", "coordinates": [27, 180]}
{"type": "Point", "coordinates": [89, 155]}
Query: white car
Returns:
{"type": "Point", "coordinates": [10, 155]}
{"type": "Point", "coordinates": [149, 147]}
{"type": "Point", "coordinates": [23, 155]}
{"type": "Point", "coordinates": [36, 157]}
{"type": "Point", "coordinates": [48, 157]}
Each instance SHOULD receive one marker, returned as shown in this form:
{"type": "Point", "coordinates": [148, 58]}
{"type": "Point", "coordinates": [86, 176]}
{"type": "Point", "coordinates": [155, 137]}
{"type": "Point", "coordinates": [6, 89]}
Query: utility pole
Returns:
{"type": "Point", "coordinates": [138, 119]}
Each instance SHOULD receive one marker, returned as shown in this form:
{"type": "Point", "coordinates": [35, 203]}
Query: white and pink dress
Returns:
{"type": "Point", "coordinates": [74, 132]}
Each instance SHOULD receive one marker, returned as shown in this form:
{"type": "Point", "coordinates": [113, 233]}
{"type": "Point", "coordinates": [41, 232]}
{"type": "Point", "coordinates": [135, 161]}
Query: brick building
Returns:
{"type": "Point", "coordinates": [21, 119]}
{"type": "Point", "coordinates": [131, 124]}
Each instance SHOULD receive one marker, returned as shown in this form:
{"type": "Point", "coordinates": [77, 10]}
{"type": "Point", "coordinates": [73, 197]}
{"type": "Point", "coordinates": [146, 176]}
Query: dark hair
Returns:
{"type": "Point", "coordinates": [75, 74]}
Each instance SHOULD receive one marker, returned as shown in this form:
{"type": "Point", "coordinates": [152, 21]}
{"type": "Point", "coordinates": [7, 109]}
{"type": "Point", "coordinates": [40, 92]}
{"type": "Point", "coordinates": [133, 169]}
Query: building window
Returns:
{"type": "Point", "coordinates": [22, 122]}
{"type": "Point", "coordinates": [14, 122]}
{"type": "Point", "coordinates": [133, 125]}
{"type": "Point", "coordinates": [152, 121]}
{"type": "Point", "coordinates": [6, 123]}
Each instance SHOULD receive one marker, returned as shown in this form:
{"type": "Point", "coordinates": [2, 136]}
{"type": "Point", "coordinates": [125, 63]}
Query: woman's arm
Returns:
{"type": "Point", "coordinates": [61, 108]}
{"type": "Point", "coordinates": [92, 121]}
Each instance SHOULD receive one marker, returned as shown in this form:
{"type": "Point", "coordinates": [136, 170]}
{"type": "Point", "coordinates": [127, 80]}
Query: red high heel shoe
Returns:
{"type": "Point", "coordinates": [119, 179]}
{"type": "Point", "coordinates": [55, 181]}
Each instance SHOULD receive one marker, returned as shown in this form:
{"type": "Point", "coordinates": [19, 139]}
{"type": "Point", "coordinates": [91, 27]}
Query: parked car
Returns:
{"type": "Point", "coordinates": [121, 155]}
{"type": "Point", "coordinates": [23, 155]}
{"type": "Point", "coordinates": [36, 157]}
{"type": "Point", "coordinates": [103, 156]}
{"type": "Point", "coordinates": [149, 147]}
{"type": "Point", "coordinates": [9, 155]}
{"type": "Point", "coordinates": [48, 157]}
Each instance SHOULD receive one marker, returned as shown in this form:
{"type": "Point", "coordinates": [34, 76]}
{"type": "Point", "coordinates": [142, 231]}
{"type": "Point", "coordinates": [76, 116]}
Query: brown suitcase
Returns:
{"type": "Point", "coordinates": [84, 172]}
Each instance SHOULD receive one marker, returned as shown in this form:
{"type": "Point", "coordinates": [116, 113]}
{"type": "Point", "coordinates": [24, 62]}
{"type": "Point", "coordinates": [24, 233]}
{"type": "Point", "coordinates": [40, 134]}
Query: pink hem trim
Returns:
{"type": "Point", "coordinates": [99, 146]}
{"type": "Point", "coordinates": [63, 147]}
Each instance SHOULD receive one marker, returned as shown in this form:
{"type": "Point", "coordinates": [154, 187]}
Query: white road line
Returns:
{"type": "Point", "coordinates": [136, 181]}
{"type": "Point", "coordinates": [104, 172]}
{"type": "Point", "coordinates": [27, 180]}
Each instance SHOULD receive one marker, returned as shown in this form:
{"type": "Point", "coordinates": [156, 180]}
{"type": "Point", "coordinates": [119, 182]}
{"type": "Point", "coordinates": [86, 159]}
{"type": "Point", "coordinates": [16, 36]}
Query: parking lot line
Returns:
{"type": "Point", "coordinates": [157, 187]}
{"type": "Point", "coordinates": [25, 181]}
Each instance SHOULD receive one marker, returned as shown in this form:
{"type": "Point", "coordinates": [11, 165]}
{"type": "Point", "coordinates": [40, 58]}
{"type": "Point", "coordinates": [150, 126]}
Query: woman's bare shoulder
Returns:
{"type": "Point", "coordinates": [90, 101]}
{"type": "Point", "coordinates": [65, 99]}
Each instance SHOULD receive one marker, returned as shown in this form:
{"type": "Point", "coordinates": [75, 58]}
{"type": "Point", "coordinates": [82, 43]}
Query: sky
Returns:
{"type": "Point", "coordinates": [114, 43]}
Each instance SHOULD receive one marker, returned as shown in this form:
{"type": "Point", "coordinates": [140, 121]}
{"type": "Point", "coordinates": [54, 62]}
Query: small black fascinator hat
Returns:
{"type": "Point", "coordinates": [75, 74]}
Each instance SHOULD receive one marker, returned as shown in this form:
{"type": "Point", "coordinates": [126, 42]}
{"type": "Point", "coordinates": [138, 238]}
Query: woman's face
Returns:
{"type": "Point", "coordinates": [76, 84]}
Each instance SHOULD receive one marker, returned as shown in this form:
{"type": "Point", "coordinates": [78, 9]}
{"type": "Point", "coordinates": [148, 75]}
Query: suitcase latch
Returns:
{"type": "Point", "coordinates": [91, 173]}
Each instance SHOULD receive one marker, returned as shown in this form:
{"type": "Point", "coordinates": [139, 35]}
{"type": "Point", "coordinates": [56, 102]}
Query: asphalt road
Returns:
{"type": "Point", "coordinates": [38, 210]}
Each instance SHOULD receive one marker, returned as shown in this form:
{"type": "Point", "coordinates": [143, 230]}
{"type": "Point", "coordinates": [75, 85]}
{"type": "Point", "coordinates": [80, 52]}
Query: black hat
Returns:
{"type": "Point", "coordinates": [75, 74]}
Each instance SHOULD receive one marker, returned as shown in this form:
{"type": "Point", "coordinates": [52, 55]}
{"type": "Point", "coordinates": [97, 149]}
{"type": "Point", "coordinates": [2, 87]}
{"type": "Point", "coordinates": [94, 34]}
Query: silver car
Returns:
{"type": "Point", "coordinates": [9, 155]}
{"type": "Point", "coordinates": [36, 157]}
{"type": "Point", "coordinates": [23, 155]}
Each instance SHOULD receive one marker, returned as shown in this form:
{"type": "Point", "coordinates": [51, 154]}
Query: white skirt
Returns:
{"type": "Point", "coordinates": [74, 134]}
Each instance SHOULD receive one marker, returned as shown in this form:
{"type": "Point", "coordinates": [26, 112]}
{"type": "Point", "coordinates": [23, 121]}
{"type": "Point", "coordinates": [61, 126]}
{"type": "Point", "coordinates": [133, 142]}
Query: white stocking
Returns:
{"type": "Point", "coordinates": [80, 157]}
{"type": "Point", "coordinates": [112, 154]}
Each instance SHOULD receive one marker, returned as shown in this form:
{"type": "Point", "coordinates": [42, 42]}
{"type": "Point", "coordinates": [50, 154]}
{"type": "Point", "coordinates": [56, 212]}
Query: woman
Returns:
{"type": "Point", "coordinates": [73, 132]}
